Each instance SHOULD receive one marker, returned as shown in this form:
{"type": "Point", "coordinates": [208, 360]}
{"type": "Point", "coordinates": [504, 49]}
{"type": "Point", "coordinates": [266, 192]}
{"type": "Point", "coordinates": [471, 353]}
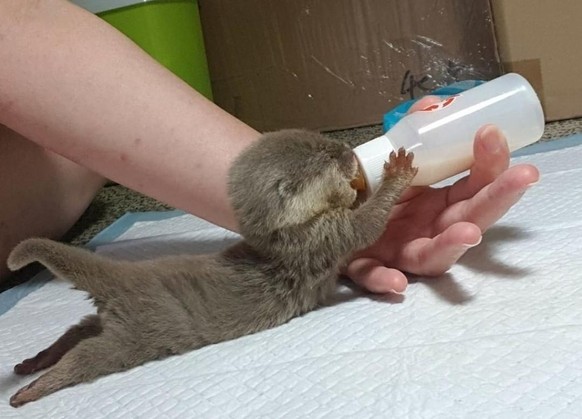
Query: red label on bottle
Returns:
{"type": "Point", "coordinates": [440, 105]}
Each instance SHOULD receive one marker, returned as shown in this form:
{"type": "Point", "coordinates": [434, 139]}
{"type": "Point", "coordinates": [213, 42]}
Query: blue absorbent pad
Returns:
{"type": "Point", "coordinates": [499, 336]}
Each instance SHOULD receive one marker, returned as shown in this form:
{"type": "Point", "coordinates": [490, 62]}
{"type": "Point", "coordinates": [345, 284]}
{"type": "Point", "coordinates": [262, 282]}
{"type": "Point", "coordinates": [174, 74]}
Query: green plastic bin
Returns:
{"type": "Point", "coordinates": [168, 30]}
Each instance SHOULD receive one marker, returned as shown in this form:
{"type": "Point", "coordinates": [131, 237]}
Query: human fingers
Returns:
{"type": "Point", "coordinates": [491, 158]}
{"type": "Point", "coordinates": [434, 256]}
{"type": "Point", "coordinates": [494, 200]}
{"type": "Point", "coordinates": [372, 275]}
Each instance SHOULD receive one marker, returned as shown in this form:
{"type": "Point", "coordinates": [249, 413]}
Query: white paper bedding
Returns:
{"type": "Point", "coordinates": [499, 336]}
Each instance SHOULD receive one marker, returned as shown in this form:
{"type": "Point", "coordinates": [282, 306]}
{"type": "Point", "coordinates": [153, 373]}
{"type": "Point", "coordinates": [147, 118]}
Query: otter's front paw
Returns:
{"type": "Point", "coordinates": [400, 166]}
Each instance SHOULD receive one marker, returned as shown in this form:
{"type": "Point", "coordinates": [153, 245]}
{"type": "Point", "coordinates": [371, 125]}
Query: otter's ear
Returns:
{"type": "Point", "coordinates": [286, 188]}
{"type": "Point", "coordinates": [346, 159]}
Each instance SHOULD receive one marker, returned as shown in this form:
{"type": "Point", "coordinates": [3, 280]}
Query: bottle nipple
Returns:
{"type": "Point", "coordinates": [359, 182]}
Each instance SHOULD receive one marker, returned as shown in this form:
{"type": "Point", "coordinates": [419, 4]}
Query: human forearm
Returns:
{"type": "Point", "coordinates": [76, 86]}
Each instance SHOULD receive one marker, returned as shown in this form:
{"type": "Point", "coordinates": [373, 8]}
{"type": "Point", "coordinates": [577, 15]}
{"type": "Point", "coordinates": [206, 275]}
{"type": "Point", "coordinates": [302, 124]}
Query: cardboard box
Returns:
{"type": "Point", "coordinates": [337, 64]}
{"type": "Point", "coordinates": [540, 39]}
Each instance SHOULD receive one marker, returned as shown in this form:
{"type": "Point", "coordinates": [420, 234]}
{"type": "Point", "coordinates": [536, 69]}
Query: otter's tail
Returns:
{"type": "Point", "coordinates": [86, 270]}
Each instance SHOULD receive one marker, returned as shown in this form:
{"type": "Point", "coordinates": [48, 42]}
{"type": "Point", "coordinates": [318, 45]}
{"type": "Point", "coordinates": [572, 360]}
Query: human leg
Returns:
{"type": "Point", "coordinates": [41, 193]}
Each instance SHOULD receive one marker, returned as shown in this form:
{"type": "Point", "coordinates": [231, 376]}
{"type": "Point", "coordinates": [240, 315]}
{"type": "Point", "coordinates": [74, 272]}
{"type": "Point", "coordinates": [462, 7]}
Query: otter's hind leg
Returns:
{"type": "Point", "coordinates": [88, 327]}
{"type": "Point", "coordinates": [93, 357]}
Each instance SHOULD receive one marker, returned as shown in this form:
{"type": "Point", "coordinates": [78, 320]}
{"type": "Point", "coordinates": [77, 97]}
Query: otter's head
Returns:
{"type": "Point", "coordinates": [289, 177]}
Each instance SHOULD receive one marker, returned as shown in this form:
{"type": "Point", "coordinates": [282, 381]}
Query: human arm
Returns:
{"type": "Point", "coordinates": [74, 85]}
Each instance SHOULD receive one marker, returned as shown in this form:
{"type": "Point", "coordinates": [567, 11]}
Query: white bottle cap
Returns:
{"type": "Point", "coordinates": [372, 156]}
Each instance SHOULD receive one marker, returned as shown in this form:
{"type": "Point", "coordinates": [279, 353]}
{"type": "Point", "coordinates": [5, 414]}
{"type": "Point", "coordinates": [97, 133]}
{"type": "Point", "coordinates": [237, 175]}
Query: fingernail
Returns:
{"type": "Point", "coordinates": [490, 139]}
{"type": "Point", "coordinates": [528, 186]}
{"type": "Point", "coordinates": [469, 245]}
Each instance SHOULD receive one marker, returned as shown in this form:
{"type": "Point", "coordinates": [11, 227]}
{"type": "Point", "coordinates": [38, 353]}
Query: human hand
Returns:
{"type": "Point", "coordinates": [431, 228]}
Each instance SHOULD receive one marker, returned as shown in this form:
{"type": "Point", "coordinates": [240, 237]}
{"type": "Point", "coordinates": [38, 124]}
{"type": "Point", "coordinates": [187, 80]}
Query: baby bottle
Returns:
{"type": "Point", "coordinates": [441, 135]}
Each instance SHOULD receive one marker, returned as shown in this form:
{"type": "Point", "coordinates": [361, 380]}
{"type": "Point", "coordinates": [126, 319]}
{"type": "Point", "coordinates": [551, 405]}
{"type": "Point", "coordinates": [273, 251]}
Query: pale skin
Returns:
{"type": "Point", "coordinates": [71, 84]}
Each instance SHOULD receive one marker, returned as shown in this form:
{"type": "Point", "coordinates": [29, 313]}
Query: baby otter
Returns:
{"type": "Point", "coordinates": [299, 221]}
